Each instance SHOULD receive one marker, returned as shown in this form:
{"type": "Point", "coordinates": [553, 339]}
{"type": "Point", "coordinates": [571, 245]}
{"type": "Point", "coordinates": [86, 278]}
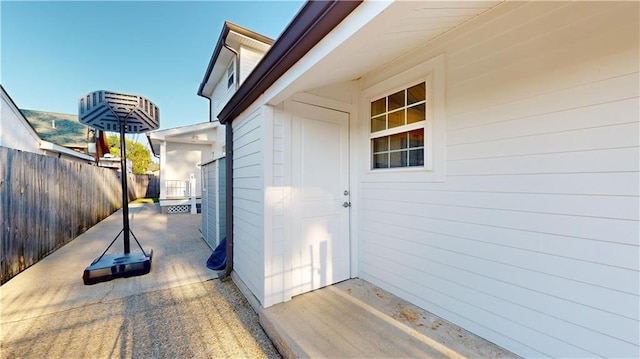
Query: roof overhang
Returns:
{"type": "Point", "coordinates": [309, 26]}
{"type": "Point", "coordinates": [12, 105]}
{"type": "Point", "coordinates": [52, 147]}
{"type": "Point", "coordinates": [234, 36]}
{"type": "Point", "coordinates": [182, 134]}
{"type": "Point", "coordinates": [345, 42]}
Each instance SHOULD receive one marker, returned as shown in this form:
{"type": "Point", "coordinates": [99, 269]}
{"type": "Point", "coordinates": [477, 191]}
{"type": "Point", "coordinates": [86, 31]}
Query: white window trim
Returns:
{"type": "Point", "coordinates": [232, 67]}
{"type": "Point", "coordinates": [428, 161]}
{"type": "Point", "coordinates": [434, 170]}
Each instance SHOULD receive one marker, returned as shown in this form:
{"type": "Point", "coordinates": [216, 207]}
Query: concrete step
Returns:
{"type": "Point", "coordinates": [356, 319]}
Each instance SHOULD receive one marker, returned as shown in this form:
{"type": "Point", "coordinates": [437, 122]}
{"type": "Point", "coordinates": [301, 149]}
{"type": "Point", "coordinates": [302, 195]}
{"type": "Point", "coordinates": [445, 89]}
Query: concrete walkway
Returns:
{"type": "Point", "coordinates": [178, 310]}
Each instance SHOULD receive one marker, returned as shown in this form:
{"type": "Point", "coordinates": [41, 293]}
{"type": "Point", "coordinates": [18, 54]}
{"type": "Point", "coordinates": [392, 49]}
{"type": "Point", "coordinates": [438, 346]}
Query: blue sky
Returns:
{"type": "Point", "coordinates": [54, 52]}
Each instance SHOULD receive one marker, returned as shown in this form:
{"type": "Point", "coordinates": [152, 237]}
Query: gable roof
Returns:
{"type": "Point", "coordinates": [68, 130]}
{"type": "Point", "coordinates": [315, 20]}
{"type": "Point", "coordinates": [336, 41]}
{"type": "Point", "coordinates": [216, 58]}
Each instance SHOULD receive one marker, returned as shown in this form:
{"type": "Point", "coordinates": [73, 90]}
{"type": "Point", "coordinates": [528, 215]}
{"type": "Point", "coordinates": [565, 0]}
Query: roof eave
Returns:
{"type": "Point", "coordinates": [226, 28]}
{"type": "Point", "coordinates": [312, 23]}
{"type": "Point", "coordinates": [46, 145]}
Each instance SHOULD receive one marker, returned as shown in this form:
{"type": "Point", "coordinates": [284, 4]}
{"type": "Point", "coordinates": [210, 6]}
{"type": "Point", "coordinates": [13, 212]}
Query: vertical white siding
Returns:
{"type": "Point", "coordinates": [532, 241]}
{"type": "Point", "coordinates": [221, 200]}
{"type": "Point", "coordinates": [248, 200]}
{"type": "Point", "coordinates": [214, 225]}
{"type": "Point", "coordinates": [208, 211]}
{"type": "Point", "coordinates": [277, 187]}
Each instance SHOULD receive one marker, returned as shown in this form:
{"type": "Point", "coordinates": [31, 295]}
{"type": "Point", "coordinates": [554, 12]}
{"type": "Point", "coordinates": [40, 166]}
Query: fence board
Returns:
{"type": "Point", "coordinates": [46, 202]}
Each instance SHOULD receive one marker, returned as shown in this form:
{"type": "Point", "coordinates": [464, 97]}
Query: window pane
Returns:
{"type": "Point", "coordinates": [381, 160]}
{"type": "Point", "coordinates": [378, 107]}
{"type": "Point", "coordinates": [416, 138]}
{"type": "Point", "coordinates": [416, 93]}
{"type": "Point", "coordinates": [230, 81]}
{"type": "Point", "coordinates": [416, 157]}
{"type": "Point", "coordinates": [398, 141]}
{"type": "Point", "coordinates": [396, 118]}
{"type": "Point", "coordinates": [398, 159]}
{"type": "Point", "coordinates": [379, 123]}
{"type": "Point", "coordinates": [396, 101]}
{"type": "Point", "coordinates": [381, 144]}
{"type": "Point", "coordinates": [416, 113]}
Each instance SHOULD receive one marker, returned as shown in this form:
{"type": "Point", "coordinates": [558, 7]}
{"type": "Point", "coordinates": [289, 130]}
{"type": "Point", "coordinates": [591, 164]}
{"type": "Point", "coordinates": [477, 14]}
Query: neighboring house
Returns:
{"type": "Point", "coordinates": [114, 163]}
{"type": "Point", "coordinates": [182, 150]}
{"type": "Point", "coordinates": [47, 133]}
{"type": "Point", "coordinates": [191, 153]}
{"type": "Point", "coordinates": [67, 131]}
{"type": "Point", "coordinates": [237, 52]}
{"type": "Point", "coordinates": [15, 130]}
{"type": "Point", "coordinates": [479, 159]}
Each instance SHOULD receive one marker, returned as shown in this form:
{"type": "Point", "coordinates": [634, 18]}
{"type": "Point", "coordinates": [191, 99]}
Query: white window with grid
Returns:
{"type": "Point", "coordinates": [397, 128]}
{"type": "Point", "coordinates": [406, 124]}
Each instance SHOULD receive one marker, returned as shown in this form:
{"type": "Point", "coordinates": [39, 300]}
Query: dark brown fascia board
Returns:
{"type": "Point", "coordinates": [312, 23]}
{"type": "Point", "coordinates": [229, 26]}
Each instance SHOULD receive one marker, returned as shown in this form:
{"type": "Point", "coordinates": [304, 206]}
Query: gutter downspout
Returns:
{"type": "Point", "coordinates": [228, 162]}
{"type": "Point", "coordinates": [228, 177]}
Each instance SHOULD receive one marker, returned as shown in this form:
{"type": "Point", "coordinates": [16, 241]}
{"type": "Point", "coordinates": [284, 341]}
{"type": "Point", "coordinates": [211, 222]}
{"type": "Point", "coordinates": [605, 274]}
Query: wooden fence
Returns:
{"type": "Point", "coordinates": [46, 202]}
{"type": "Point", "coordinates": [144, 186]}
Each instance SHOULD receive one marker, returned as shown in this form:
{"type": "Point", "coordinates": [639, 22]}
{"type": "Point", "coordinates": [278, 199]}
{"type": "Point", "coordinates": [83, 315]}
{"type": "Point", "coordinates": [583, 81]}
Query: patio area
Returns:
{"type": "Point", "coordinates": [181, 310]}
{"type": "Point", "coordinates": [178, 310]}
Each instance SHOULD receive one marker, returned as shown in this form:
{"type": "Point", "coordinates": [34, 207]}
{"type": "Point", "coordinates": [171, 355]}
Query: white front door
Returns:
{"type": "Point", "coordinates": [320, 197]}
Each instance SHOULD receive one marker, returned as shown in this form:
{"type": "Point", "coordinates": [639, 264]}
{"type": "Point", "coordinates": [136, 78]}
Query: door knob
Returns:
{"type": "Point", "coordinates": [346, 204]}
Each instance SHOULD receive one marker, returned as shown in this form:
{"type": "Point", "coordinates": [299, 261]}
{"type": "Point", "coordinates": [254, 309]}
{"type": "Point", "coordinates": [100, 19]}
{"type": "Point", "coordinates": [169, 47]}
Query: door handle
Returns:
{"type": "Point", "coordinates": [346, 204]}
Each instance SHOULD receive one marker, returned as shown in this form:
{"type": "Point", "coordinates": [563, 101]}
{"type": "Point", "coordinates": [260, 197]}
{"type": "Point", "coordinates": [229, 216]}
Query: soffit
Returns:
{"type": "Point", "coordinates": [205, 133]}
{"type": "Point", "coordinates": [236, 40]}
{"type": "Point", "coordinates": [401, 28]}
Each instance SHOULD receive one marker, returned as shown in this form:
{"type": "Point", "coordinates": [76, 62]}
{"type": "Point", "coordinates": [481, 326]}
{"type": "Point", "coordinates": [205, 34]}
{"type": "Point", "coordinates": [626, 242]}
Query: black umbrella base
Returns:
{"type": "Point", "coordinates": [111, 266]}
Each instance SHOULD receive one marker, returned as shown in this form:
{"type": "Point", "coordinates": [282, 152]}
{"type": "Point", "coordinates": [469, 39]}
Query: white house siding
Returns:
{"type": "Point", "coordinates": [248, 200]}
{"type": "Point", "coordinates": [182, 160]}
{"type": "Point", "coordinates": [15, 131]}
{"type": "Point", "coordinates": [221, 95]}
{"type": "Point", "coordinates": [248, 59]}
{"type": "Point", "coordinates": [532, 240]}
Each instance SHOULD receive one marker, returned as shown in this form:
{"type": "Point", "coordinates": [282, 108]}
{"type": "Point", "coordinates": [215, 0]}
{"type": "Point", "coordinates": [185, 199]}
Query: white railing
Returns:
{"type": "Point", "coordinates": [177, 188]}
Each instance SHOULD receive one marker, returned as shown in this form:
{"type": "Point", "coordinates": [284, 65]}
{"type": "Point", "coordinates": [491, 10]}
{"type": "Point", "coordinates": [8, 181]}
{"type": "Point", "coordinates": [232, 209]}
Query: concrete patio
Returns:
{"type": "Point", "coordinates": [178, 310]}
{"type": "Point", "coordinates": [181, 310]}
